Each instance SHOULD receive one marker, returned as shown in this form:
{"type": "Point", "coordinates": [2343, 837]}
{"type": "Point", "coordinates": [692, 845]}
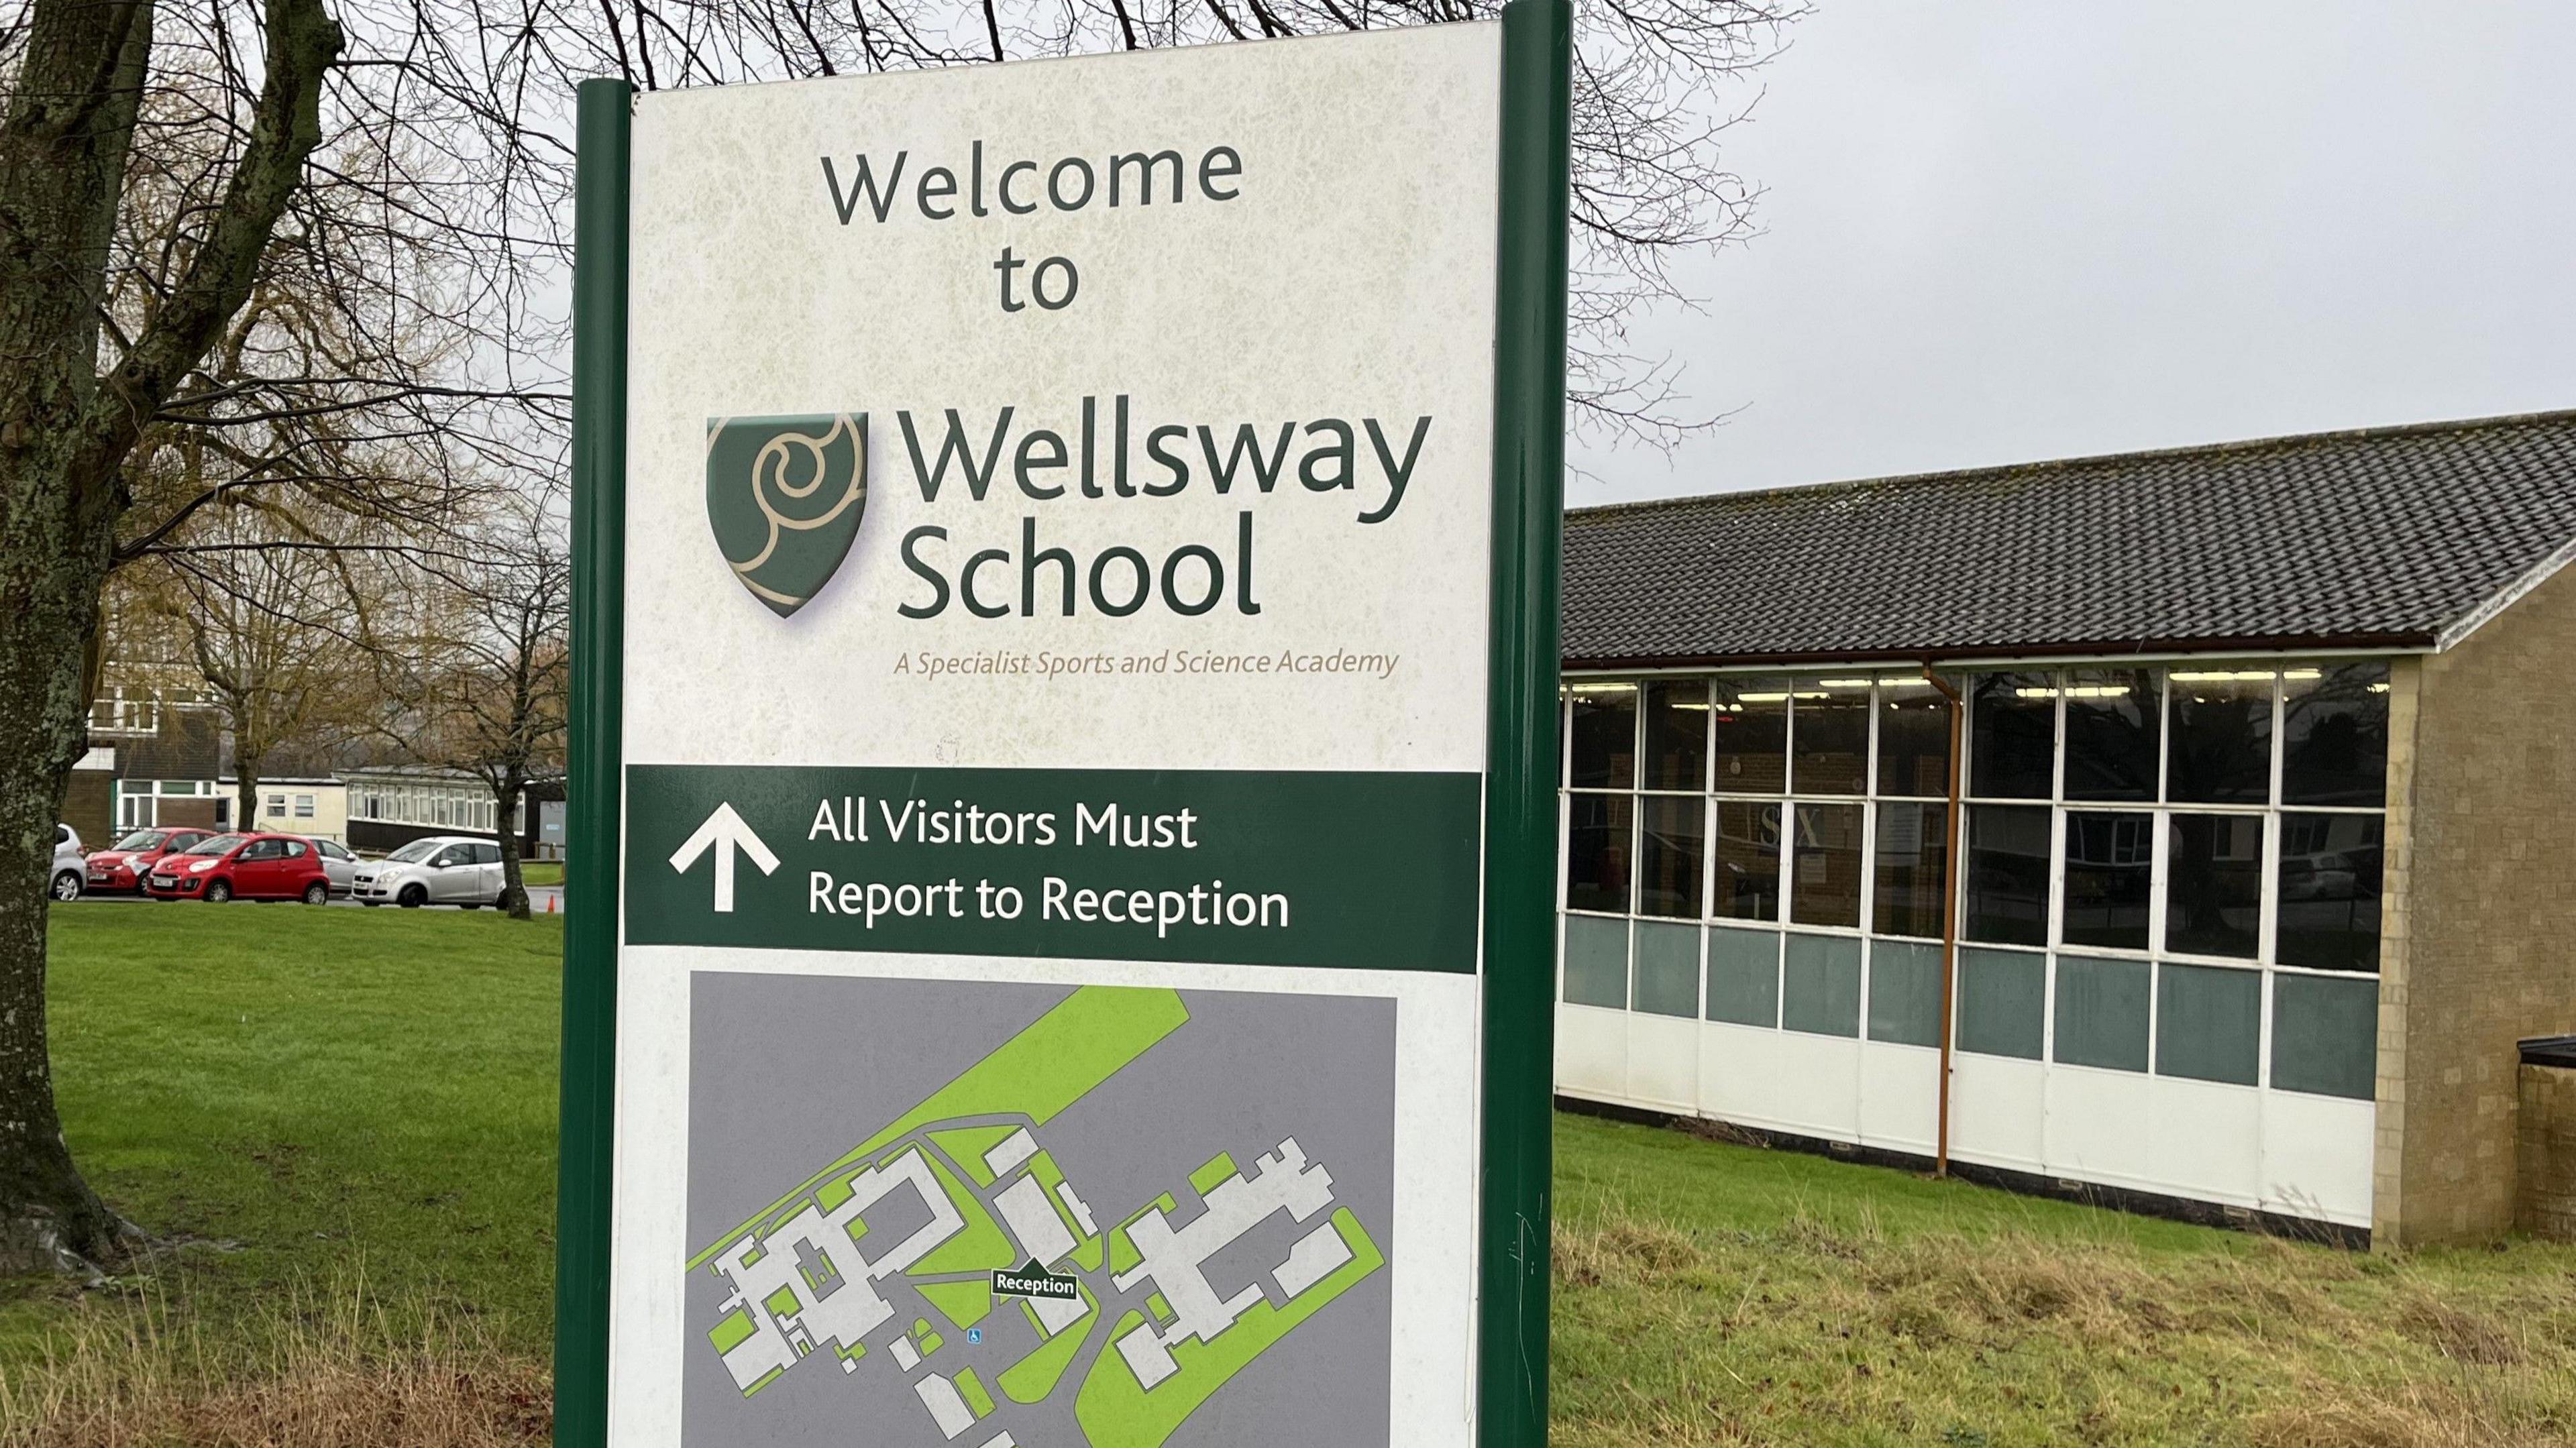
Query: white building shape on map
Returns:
{"type": "Point", "coordinates": [1280, 1181]}
{"type": "Point", "coordinates": [756, 1267]}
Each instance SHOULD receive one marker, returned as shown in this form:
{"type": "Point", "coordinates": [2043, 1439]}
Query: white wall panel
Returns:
{"type": "Point", "coordinates": [1900, 1097]}
{"type": "Point", "coordinates": [1663, 1062]}
{"type": "Point", "coordinates": [1592, 1053]}
{"type": "Point", "coordinates": [2163, 1134]}
{"type": "Point", "coordinates": [2317, 1156]}
{"type": "Point", "coordinates": [1997, 1111]}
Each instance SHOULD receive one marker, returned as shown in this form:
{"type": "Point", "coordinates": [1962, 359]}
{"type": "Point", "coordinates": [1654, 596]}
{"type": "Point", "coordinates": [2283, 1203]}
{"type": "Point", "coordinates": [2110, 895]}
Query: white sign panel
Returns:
{"type": "Point", "coordinates": [1057, 573]}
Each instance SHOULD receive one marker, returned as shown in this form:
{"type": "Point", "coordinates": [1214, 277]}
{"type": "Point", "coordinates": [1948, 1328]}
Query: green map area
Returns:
{"type": "Point", "coordinates": [884, 1263]}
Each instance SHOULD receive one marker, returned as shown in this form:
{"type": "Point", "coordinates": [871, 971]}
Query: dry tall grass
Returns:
{"type": "Point", "coordinates": [333, 1367]}
{"type": "Point", "coordinates": [1803, 1334]}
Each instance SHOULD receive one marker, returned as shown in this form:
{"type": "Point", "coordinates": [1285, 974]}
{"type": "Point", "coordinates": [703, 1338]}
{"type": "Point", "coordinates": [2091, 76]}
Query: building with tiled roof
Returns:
{"type": "Point", "coordinates": [2247, 877]}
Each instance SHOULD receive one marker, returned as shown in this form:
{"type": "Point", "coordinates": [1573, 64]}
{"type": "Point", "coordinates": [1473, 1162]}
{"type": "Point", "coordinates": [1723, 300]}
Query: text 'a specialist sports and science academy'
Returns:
{"type": "Point", "coordinates": [1104, 827]}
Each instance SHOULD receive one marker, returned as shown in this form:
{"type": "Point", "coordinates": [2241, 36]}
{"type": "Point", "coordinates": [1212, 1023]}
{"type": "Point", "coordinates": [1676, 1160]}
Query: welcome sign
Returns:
{"type": "Point", "coordinates": [1063, 780]}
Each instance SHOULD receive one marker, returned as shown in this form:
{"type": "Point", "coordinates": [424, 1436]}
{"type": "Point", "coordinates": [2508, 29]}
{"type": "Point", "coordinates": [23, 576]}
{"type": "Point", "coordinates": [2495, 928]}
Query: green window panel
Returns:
{"type": "Point", "coordinates": [1905, 992]}
{"type": "Point", "coordinates": [2102, 1010]}
{"type": "Point", "coordinates": [1596, 962]}
{"type": "Point", "coordinates": [1820, 985]}
{"type": "Point", "coordinates": [2209, 1023]}
{"type": "Point", "coordinates": [2325, 1035]}
{"type": "Point", "coordinates": [2003, 1002]}
{"type": "Point", "coordinates": [1744, 976]}
{"type": "Point", "coordinates": [1667, 969]}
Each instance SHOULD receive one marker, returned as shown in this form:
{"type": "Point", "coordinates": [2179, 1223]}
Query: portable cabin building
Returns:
{"type": "Point", "coordinates": [2249, 875]}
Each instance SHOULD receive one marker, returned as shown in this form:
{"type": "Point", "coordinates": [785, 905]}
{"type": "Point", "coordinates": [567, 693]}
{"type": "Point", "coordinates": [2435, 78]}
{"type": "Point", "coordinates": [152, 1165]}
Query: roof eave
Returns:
{"type": "Point", "coordinates": [2409, 641]}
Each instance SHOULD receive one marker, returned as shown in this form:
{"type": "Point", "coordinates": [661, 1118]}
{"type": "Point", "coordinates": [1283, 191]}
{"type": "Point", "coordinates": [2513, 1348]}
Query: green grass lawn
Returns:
{"type": "Point", "coordinates": [315, 1095]}
{"type": "Point", "coordinates": [541, 872]}
{"type": "Point", "coordinates": [312, 1092]}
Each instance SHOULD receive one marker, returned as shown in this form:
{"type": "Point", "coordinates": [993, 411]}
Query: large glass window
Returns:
{"type": "Point", "coordinates": [2222, 736]}
{"type": "Point", "coordinates": [1913, 739]}
{"type": "Point", "coordinates": [2334, 726]}
{"type": "Point", "coordinates": [1605, 737]}
{"type": "Point", "coordinates": [1744, 976]}
{"type": "Point", "coordinates": [1820, 985]}
{"type": "Point", "coordinates": [1677, 735]}
{"type": "Point", "coordinates": [2329, 890]}
{"type": "Point", "coordinates": [1825, 882]}
{"type": "Point", "coordinates": [1748, 861]}
{"type": "Point", "coordinates": [2175, 870]}
{"type": "Point", "coordinates": [1750, 720]}
{"type": "Point", "coordinates": [1596, 851]}
{"type": "Point", "coordinates": [2006, 892]}
{"type": "Point", "coordinates": [1596, 961]}
{"type": "Point", "coordinates": [1913, 852]}
{"type": "Point", "coordinates": [1667, 976]}
{"type": "Point", "coordinates": [2110, 869]}
{"type": "Point", "coordinates": [2214, 898]}
{"type": "Point", "coordinates": [1671, 852]}
{"type": "Point", "coordinates": [1829, 722]}
{"type": "Point", "coordinates": [2012, 736]}
{"type": "Point", "coordinates": [2114, 719]}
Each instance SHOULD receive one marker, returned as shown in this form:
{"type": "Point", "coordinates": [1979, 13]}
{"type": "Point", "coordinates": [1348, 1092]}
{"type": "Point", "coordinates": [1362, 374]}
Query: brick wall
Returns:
{"type": "Point", "coordinates": [2482, 934]}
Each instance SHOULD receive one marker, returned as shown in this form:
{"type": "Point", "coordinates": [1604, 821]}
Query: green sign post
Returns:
{"type": "Point", "coordinates": [1063, 818]}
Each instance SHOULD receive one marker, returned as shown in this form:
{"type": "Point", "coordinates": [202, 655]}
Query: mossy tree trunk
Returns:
{"type": "Point", "coordinates": [66, 431]}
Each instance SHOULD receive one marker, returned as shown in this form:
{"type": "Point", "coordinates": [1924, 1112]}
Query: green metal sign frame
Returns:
{"type": "Point", "coordinates": [1520, 787]}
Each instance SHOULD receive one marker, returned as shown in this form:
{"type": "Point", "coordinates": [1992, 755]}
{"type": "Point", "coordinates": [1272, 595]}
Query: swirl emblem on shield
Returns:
{"type": "Point", "coordinates": [784, 496]}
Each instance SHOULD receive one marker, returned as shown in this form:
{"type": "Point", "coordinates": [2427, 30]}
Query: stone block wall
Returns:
{"type": "Point", "coordinates": [2482, 930]}
{"type": "Point", "coordinates": [2545, 1153]}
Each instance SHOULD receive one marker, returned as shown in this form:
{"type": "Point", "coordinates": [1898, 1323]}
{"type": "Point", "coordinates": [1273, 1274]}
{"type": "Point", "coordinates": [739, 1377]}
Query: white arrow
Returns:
{"type": "Point", "coordinates": [725, 831]}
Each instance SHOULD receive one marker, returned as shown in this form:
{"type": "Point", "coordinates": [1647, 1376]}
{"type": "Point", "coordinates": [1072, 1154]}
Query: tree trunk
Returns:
{"type": "Point", "coordinates": [514, 887]}
{"type": "Point", "coordinates": [65, 433]}
{"type": "Point", "coordinates": [62, 167]}
{"type": "Point", "coordinates": [246, 768]}
{"type": "Point", "coordinates": [49, 1218]}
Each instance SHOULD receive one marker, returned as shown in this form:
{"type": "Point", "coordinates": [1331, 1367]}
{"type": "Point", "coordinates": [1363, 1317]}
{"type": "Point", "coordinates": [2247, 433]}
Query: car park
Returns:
{"type": "Point", "coordinates": [120, 869]}
{"type": "Point", "coordinates": [68, 865]}
{"type": "Point", "coordinates": [440, 870]}
{"type": "Point", "coordinates": [243, 867]}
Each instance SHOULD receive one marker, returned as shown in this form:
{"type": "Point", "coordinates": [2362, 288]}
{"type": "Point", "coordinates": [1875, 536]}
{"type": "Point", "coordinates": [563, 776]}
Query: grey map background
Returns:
{"type": "Point", "coordinates": [788, 1072]}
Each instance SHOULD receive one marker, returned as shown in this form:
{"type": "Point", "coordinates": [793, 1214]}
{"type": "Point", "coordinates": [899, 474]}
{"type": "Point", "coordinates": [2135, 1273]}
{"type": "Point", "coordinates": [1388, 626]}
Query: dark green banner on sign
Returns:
{"type": "Point", "coordinates": [1372, 871]}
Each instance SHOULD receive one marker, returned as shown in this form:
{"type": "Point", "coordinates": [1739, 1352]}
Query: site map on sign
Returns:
{"type": "Point", "coordinates": [986, 1269]}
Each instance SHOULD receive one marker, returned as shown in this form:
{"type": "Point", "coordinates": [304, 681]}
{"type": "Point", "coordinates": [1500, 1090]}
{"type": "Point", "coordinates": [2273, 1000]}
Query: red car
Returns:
{"type": "Point", "coordinates": [120, 868]}
{"type": "Point", "coordinates": [247, 867]}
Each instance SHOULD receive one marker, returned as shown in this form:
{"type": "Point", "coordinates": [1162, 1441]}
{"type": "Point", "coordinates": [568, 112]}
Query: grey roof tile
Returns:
{"type": "Point", "coordinates": [2382, 537]}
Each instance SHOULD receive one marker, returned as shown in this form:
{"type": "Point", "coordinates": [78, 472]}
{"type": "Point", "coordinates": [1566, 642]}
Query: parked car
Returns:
{"type": "Point", "coordinates": [339, 864]}
{"type": "Point", "coordinates": [121, 867]}
{"type": "Point", "coordinates": [247, 867]}
{"type": "Point", "coordinates": [439, 870]}
{"type": "Point", "coordinates": [67, 863]}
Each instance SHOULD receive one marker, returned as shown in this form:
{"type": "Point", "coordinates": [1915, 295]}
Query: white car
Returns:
{"type": "Point", "coordinates": [68, 866]}
{"type": "Point", "coordinates": [439, 870]}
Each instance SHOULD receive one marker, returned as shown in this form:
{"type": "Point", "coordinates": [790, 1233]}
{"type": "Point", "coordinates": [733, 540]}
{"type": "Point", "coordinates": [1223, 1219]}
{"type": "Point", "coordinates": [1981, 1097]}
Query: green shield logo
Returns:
{"type": "Point", "coordinates": [784, 495]}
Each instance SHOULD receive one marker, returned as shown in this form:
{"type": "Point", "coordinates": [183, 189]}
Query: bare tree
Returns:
{"type": "Point", "coordinates": [273, 616]}
{"type": "Point", "coordinates": [487, 687]}
{"type": "Point", "coordinates": [319, 242]}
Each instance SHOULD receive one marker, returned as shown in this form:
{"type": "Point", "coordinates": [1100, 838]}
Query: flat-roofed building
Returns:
{"type": "Point", "coordinates": [2268, 767]}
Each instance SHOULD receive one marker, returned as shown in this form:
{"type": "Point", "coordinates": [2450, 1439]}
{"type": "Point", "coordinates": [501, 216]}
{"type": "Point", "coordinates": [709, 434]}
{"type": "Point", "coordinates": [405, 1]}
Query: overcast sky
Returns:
{"type": "Point", "coordinates": [2004, 230]}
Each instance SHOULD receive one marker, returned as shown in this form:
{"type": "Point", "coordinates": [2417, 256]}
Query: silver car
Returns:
{"type": "Point", "coordinates": [68, 866]}
{"type": "Point", "coordinates": [339, 865]}
{"type": "Point", "coordinates": [440, 870]}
